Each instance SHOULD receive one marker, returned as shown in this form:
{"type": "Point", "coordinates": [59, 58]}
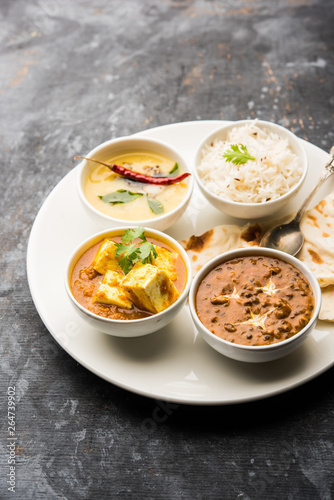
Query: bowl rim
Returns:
{"type": "Point", "coordinates": [246, 252]}
{"type": "Point", "coordinates": [263, 123]}
{"type": "Point", "coordinates": [77, 252]}
{"type": "Point", "coordinates": [119, 140]}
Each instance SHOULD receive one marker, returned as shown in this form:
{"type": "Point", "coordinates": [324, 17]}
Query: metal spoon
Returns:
{"type": "Point", "coordinates": [288, 237]}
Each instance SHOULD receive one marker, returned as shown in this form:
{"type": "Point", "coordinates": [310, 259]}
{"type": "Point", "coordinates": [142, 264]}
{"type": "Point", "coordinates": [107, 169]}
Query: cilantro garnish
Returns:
{"type": "Point", "coordinates": [236, 156]}
{"type": "Point", "coordinates": [130, 252]}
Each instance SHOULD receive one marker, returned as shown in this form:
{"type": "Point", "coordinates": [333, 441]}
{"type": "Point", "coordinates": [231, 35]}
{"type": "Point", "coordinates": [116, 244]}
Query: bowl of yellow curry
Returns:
{"type": "Point", "coordinates": [134, 181]}
{"type": "Point", "coordinates": [128, 282]}
{"type": "Point", "coordinates": [255, 304]}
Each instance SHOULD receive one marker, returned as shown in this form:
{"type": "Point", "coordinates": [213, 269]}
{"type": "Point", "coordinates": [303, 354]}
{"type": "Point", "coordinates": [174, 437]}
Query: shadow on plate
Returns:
{"type": "Point", "coordinates": [158, 345]}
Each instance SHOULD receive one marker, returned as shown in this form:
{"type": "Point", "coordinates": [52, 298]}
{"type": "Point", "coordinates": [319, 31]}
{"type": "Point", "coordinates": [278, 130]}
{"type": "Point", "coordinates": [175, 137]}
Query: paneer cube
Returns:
{"type": "Point", "coordinates": [105, 259]}
{"type": "Point", "coordinates": [112, 278]}
{"type": "Point", "coordinates": [166, 261]}
{"type": "Point", "coordinates": [150, 288]}
{"type": "Point", "coordinates": [114, 295]}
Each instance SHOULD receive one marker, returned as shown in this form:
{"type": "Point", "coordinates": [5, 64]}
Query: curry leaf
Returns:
{"type": "Point", "coordinates": [120, 196]}
{"type": "Point", "coordinates": [175, 170]}
{"type": "Point", "coordinates": [155, 205]}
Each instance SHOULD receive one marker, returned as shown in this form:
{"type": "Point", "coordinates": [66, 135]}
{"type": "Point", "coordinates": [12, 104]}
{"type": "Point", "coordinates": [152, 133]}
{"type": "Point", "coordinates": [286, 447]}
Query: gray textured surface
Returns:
{"type": "Point", "coordinates": [76, 73]}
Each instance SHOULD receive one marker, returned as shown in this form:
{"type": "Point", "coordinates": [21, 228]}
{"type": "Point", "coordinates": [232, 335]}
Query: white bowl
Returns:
{"type": "Point", "coordinates": [136, 327]}
{"type": "Point", "coordinates": [251, 210]}
{"type": "Point", "coordinates": [255, 354]}
{"type": "Point", "coordinates": [123, 145]}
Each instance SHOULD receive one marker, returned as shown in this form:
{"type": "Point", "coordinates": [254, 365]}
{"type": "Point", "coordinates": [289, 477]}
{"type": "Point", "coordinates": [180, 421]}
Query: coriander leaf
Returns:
{"type": "Point", "coordinates": [155, 205]}
{"type": "Point", "coordinates": [175, 170]}
{"type": "Point", "coordinates": [147, 252]}
{"type": "Point", "coordinates": [120, 249]}
{"type": "Point", "coordinates": [237, 156]}
{"type": "Point", "coordinates": [120, 196]}
{"type": "Point", "coordinates": [133, 233]}
{"type": "Point", "coordinates": [133, 253]}
{"type": "Point", "coordinates": [126, 264]}
{"type": "Point", "coordinates": [130, 253]}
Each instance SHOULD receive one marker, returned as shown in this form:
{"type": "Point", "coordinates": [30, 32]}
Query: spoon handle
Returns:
{"type": "Point", "coordinates": [327, 172]}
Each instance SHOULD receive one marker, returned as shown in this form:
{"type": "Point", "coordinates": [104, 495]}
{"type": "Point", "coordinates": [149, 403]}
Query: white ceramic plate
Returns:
{"type": "Point", "coordinates": [174, 364]}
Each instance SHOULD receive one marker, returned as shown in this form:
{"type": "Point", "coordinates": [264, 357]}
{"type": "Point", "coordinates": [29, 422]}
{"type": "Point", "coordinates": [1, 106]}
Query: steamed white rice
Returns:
{"type": "Point", "coordinates": [274, 172]}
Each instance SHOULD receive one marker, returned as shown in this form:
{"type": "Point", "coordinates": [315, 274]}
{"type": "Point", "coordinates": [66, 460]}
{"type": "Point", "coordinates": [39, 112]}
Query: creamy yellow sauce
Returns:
{"type": "Point", "coordinates": [103, 181]}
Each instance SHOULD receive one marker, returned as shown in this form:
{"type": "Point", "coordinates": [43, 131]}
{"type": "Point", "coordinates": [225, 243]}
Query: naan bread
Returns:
{"type": "Point", "coordinates": [327, 309]}
{"type": "Point", "coordinates": [220, 239]}
{"type": "Point", "coordinates": [317, 253]}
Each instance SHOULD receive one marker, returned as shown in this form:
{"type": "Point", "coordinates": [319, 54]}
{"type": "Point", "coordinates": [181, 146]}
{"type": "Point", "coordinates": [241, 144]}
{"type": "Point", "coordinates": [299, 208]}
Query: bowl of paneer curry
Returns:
{"type": "Point", "coordinates": [254, 304]}
{"type": "Point", "coordinates": [129, 282]}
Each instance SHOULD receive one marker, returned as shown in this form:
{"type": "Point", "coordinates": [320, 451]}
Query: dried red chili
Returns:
{"type": "Point", "coordinates": [136, 176]}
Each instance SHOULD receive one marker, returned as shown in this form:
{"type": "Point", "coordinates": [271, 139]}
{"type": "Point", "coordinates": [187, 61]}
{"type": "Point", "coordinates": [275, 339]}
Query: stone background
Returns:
{"type": "Point", "coordinates": [72, 75]}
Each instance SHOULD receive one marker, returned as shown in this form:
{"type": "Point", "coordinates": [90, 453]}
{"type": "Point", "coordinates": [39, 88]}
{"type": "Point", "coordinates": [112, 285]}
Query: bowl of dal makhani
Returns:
{"type": "Point", "coordinates": [251, 168]}
{"type": "Point", "coordinates": [134, 181]}
{"type": "Point", "coordinates": [254, 304]}
{"type": "Point", "coordinates": [128, 282]}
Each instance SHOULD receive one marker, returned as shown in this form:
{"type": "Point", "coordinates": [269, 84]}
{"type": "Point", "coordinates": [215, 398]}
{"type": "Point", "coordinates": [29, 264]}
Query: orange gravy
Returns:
{"type": "Point", "coordinates": [85, 281]}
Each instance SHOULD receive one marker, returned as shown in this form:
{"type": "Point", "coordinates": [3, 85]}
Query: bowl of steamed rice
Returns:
{"type": "Point", "coordinates": [250, 168]}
